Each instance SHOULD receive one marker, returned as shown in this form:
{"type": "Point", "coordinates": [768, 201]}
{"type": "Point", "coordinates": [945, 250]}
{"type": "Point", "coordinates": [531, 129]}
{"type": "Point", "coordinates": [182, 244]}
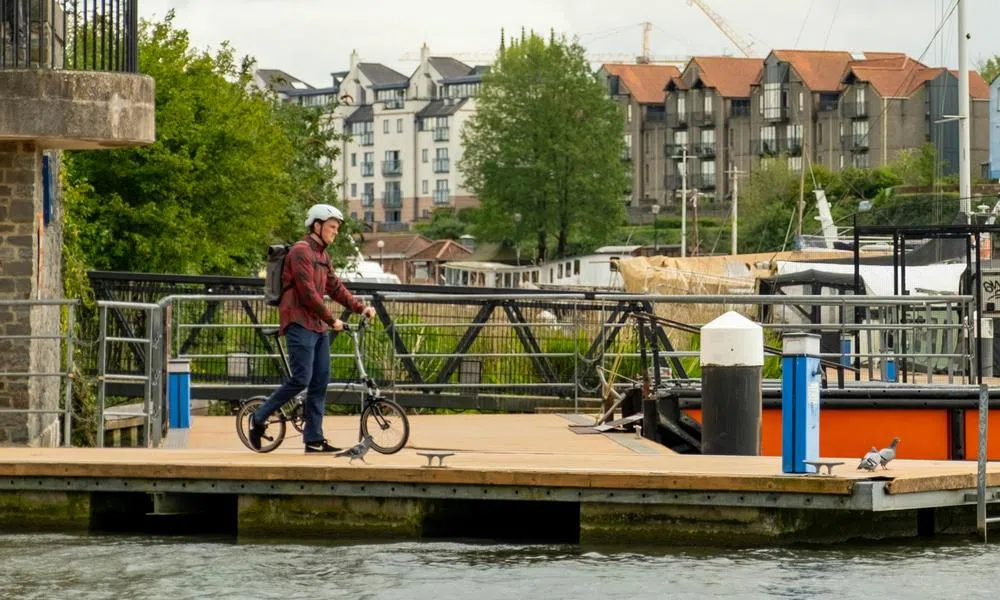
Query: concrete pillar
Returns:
{"type": "Point", "coordinates": [732, 356]}
{"type": "Point", "coordinates": [44, 111]}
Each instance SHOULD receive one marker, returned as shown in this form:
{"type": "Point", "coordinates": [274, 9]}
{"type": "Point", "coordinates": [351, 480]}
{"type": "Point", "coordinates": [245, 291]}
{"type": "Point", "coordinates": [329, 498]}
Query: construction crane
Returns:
{"type": "Point", "coordinates": [744, 46]}
{"type": "Point", "coordinates": [644, 58]}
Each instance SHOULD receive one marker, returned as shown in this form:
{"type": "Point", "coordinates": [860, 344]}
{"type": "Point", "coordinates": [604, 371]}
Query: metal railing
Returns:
{"type": "Point", "coordinates": [87, 35]}
{"type": "Point", "coordinates": [552, 344]}
{"type": "Point", "coordinates": [18, 367]}
{"type": "Point", "coordinates": [147, 368]}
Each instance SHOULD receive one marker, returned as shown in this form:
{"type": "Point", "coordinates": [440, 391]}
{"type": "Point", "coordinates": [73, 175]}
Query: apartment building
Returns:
{"type": "Point", "coordinates": [639, 90]}
{"type": "Point", "coordinates": [708, 116]}
{"type": "Point", "coordinates": [842, 112]}
{"type": "Point", "coordinates": [810, 107]}
{"type": "Point", "coordinates": [992, 170]}
{"type": "Point", "coordinates": [399, 159]}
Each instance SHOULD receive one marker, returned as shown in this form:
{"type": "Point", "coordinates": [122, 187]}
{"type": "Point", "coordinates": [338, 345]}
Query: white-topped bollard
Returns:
{"type": "Point", "coordinates": [732, 357]}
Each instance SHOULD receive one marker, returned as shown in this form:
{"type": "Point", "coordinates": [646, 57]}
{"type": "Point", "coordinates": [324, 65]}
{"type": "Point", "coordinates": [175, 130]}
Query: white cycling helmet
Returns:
{"type": "Point", "coordinates": [322, 212]}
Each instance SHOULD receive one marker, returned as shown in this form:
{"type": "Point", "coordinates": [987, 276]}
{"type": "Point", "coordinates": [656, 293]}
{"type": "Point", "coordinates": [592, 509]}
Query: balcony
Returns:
{"type": "Point", "coordinates": [793, 146]}
{"type": "Point", "coordinates": [442, 165]}
{"type": "Point", "coordinates": [703, 118]}
{"type": "Point", "coordinates": [367, 199]}
{"type": "Point", "coordinates": [765, 147]}
{"type": "Point", "coordinates": [677, 120]}
{"type": "Point", "coordinates": [442, 134]}
{"type": "Point", "coordinates": [367, 169]}
{"type": "Point", "coordinates": [854, 142]}
{"type": "Point", "coordinates": [674, 150]}
{"type": "Point", "coordinates": [705, 149]}
{"type": "Point", "coordinates": [672, 181]}
{"type": "Point", "coordinates": [392, 167]}
{"type": "Point", "coordinates": [775, 113]}
{"type": "Point", "coordinates": [392, 198]}
{"type": "Point", "coordinates": [852, 109]}
{"type": "Point", "coordinates": [367, 138]}
{"type": "Point", "coordinates": [702, 181]}
{"type": "Point", "coordinates": [394, 103]}
{"type": "Point", "coordinates": [393, 226]}
{"type": "Point", "coordinates": [442, 196]}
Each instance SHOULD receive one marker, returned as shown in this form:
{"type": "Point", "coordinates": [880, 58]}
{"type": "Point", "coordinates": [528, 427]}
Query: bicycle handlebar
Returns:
{"type": "Point", "coordinates": [358, 328]}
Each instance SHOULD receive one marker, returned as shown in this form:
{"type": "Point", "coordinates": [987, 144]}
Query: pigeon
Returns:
{"type": "Point", "coordinates": [871, 460]}
{"type": "Point", "coordinates": [358, 450]}
{"type": "Point", "coordinates": [887, 454]}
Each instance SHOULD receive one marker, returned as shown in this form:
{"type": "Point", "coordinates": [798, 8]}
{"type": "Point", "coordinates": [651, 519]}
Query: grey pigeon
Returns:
{"type": "Point", "coordinates": [871, 460]}
{"type": "Point", "coordinates": [887, 454]}
{"type": "Point", "coordinates": [357, 451]}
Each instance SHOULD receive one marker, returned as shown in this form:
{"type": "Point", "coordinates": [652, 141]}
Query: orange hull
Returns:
{"type": "Point", "coordinates": [923, 433]}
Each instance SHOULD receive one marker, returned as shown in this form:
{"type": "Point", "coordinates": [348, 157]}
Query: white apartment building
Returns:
{"type": "Point", "coordinates": [400, 159]}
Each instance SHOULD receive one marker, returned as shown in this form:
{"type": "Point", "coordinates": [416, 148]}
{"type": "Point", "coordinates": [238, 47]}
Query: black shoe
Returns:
{"type": "Point", "coordinates": [256, 432]}
{"type": "Point", "coordinates": [321, 446]}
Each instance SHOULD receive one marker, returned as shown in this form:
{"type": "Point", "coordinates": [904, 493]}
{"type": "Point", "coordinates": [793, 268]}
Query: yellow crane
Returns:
{"type": "Point", "coordinates": [744, 46]}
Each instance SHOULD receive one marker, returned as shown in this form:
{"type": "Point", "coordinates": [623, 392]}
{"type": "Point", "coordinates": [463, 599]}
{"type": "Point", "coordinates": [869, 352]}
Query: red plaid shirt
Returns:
{"type": "Point", "coordinates": [306, 276]}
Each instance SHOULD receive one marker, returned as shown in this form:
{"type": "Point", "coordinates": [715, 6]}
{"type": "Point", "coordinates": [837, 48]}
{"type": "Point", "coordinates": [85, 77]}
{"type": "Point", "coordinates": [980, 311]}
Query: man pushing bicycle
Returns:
{"type": "Point", "coordinates": [305, 322]}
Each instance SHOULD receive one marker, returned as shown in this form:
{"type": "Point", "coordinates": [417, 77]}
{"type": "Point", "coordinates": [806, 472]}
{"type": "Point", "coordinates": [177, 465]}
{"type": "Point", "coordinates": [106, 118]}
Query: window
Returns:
{"type": "Point", "coordinates": [628, 145]}
{"type": "Point", "coordinates": [708, 136]}
{"type": "Point", "coordinates": [841, 161]}
{"type": "Point", "coordinates": [399, 126]}
{"type": "Point", "coordinates": [385, 126]}
{"type": "Point", "coordinates": [707, 103]}
{"type": "Point", "coordinates": [708, 169]}
{"type": "Point", "coordinates": [681, 104]}
{"type": "Point", "coordinates": [795, 163]}
{"type": "Point", "coordinates": [369, 216]}
{"type": "Point", "coordinates": [423, 187]}
{"type": "Point", "coordinates": [741, 107]}
{"type": "Point", "coordinates": [576, 267]}
{"type": "Point", "coordinates": [629, 112]}
{"type": "Point", "coordinates": [354, 190]}
{"type": "Point", "coordinates": [772, 100]}
{"type": "Point", "coordinates": [861, 160]}
{"type": "Point", "coordinates": [680, 138]}
{"type": "Point", "coordinates": [354, 159]}
{"type": "Point", "coordinates": [819, 134]}
{"type": "Point", "coordinates": [423, 155]}
{"type": "Point", "coordinates": [354, 214]}
{"type": "Point", "coordinates": [801, 102]}
{"type": "Point", "coordinates": [793, 133]}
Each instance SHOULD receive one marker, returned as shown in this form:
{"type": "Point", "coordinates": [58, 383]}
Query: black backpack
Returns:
{"type": "Point", "coordinates": [273, 290]}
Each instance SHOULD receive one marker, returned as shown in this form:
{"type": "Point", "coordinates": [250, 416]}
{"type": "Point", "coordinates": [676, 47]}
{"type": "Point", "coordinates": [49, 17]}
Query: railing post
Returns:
{"type": "Point", "coordinates": [70, 364]}
{"type": "Point", "coordinates": [101, 371]}
{"type": "Point", "coordinates": [984, 409]}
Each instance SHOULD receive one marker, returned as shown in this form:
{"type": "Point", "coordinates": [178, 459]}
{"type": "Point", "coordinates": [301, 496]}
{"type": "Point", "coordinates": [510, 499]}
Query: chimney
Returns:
{"type": "Point", "coordinates": [425, 54]}
{"type": "Point", "coordinates": [354, 59]}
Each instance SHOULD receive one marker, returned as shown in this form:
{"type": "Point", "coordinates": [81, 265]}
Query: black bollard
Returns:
{"type": "Point", "coordinates": [732, 357]}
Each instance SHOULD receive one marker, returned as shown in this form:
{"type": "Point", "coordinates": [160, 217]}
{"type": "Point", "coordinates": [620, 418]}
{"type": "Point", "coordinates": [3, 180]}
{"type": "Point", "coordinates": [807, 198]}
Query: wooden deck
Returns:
{"type": "Point", "coordinates": [490, 450]}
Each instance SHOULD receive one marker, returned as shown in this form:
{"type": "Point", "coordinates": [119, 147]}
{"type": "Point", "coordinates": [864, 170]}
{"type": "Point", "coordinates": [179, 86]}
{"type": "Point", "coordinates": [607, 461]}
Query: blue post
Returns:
{"type": "Point", "coordinates": [800, 385]}
{"type": "Point", "coordinates": [179, 393]}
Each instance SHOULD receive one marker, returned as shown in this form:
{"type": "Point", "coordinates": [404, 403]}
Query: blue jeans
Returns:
{"type": "Point", "coordinates": [309, 359]}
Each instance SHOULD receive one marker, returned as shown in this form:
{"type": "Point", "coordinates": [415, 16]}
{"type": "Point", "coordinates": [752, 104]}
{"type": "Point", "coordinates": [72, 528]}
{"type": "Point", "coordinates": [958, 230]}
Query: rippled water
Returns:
{"type": "Point", "coordinates": [98, 567]}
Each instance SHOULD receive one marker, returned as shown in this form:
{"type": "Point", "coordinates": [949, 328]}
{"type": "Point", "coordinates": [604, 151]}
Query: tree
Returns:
{"type": "Point", "coordinates": [545, 142]}
{"type": "Point", "coordinates": [989, 68]}
{"type": "Point", "coordinates": [231, 170]}
{"type": "Point", "coordinates": [445, 223]}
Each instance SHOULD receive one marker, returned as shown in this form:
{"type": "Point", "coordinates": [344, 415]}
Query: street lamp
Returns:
{"type": "Point", "coordinates": [380, 244]}
{"type": "Point", "coordinates": [517, 243]}
{"type": "Point", "coordinates": [656, 240]}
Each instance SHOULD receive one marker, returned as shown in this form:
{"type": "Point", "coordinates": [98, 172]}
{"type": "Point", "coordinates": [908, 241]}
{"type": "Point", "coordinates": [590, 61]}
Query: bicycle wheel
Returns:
{"type": "Point", "coordinates": [274, 429]}
{"type": "Point", "coordinates": [386, 422]}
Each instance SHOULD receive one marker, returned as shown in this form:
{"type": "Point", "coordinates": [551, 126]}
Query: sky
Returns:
{"type": "Point", "coordinates": [312, 38]}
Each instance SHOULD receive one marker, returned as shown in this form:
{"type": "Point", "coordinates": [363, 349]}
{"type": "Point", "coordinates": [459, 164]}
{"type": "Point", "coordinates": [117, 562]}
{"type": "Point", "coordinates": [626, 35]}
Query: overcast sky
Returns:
{"type": "Point", "coordinates": [312, 38]}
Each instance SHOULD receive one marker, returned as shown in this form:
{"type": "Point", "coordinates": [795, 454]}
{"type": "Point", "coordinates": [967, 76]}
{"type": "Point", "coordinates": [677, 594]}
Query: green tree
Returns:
{"type": "Point", "coordinates": [445, 223]}
{"type": "Point", "coordinates": [230, 170]}
{"type": "Point", "coordinates": [546, 142]}
{"type": "Point", "coordinates": [989, 68]}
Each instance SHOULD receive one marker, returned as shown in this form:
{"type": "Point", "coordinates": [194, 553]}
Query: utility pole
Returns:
{"type": "Point", "coordinates": [694, 205]}
{"type": "Point", "coordinates": [684, 157]}
{"type": "Point", "coordinates": [964, 161]}
{"type": "Point", "coordinates": [735, 172]}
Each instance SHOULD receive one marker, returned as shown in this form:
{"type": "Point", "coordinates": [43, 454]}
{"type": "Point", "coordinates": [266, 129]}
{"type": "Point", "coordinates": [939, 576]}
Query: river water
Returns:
{"type": "Point", "coordinates": [36, 566]}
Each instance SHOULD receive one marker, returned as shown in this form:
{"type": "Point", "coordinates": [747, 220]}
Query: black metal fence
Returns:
{"type": "Point", "coordinates": [426, 338]}
{"type": "Point", "coordinates": [85, 35]}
